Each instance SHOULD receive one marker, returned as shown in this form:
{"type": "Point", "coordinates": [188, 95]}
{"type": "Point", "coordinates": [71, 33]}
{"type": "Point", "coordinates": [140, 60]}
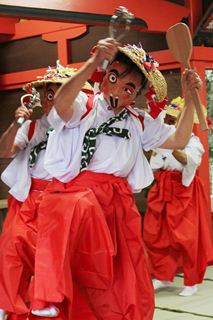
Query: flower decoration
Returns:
{"type": "Point", "coordinates": [177, 103]}
{"type": "Point", "coordinates": [58, 74]}
{"type": "Point", "coordinates": [143, 57]}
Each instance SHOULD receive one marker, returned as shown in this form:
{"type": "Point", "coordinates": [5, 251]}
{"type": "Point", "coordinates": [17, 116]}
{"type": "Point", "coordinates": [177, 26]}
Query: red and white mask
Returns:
{"type": "Point", "coordinates": [49, 93]}
{"type": "Point", "coordinates": [120, 88]}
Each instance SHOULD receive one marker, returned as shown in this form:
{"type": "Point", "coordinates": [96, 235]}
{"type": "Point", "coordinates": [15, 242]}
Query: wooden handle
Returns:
{"type": "Point", "coordinates": [199, 110]}
{"type": "Point", "coordinates": [198, 105]}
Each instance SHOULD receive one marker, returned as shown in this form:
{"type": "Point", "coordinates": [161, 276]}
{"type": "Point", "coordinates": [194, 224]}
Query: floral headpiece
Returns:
{"type": "Point", "coordinates": [149, 68]}
{"type": "Point", "coordinates": [59, 75]}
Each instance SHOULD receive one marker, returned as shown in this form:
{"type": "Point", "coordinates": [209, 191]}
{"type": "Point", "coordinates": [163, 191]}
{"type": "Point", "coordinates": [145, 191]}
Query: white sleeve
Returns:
{"type": "Point", "coordinates": [79, 108]}
{"type": "Point", "coordinates": [155, 133]}
{"type": "Point", "coordinates": [21, 138]}
{"type": "Point", "coordinates": [156, 161]}
{"type": "Point", "coordinates": [194, 151]}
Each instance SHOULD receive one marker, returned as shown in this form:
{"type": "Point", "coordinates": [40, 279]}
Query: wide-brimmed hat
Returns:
{"type": "Point", "coordinates": [148, 66]}
{"type": "Point", "coordinates": [58, 75]}
{"type": "Point", "coordinates": [175, 107]}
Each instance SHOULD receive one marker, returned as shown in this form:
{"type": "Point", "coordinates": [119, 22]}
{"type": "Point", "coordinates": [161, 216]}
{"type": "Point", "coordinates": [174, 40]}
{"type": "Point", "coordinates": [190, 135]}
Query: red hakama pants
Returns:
{"type": "Point", "coordinates": [17, 247]}
{"type": "Point", "coordinates": [89, 235]}
{"type": "Point", "coordinates": [17, 259]}
{"type": "Point", "coordinates": [177, 228]}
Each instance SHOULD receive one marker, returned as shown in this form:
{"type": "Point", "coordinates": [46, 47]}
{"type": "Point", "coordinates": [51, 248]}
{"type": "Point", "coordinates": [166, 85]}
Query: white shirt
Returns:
{"type": "Point", "coordinates": [113, 155]}
{"type": "Point", "coordinates": [18, 174]}
{"type": "Point", "coordinates": [163, 159]}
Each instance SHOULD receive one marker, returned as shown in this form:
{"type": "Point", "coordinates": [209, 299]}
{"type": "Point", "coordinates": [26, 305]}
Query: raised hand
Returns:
{"type": "Point", "coordinates": [105, 50]}
{"type": "Point", "coordinates": [190, 81]}
{"type": "Point", "coordinates": [23, 112]}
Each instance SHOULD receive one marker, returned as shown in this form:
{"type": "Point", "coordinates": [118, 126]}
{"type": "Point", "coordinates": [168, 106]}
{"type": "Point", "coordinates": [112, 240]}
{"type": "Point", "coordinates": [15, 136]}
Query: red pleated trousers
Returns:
{"type": "Point", "coordinates": [89, 234]}
{"type": "Point", "coordinates": [177, 228]}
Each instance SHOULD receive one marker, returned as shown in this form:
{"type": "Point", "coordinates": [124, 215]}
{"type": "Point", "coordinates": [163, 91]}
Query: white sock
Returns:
{"type": "Point", "coordinates": [158, 284]}
{"type": "Point", "coordinates": [188, 291]}
{"type": "Point", "coordinates": [3, 314]}
{"type": "Point", "coordinates": [49, 312]}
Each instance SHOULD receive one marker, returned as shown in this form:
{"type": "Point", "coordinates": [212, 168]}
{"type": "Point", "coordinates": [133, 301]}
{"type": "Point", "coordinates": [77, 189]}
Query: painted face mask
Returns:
{"type": "Point", "coordinates": [49, 94]}
{"type": "Point", "coordinates": [120, 88]}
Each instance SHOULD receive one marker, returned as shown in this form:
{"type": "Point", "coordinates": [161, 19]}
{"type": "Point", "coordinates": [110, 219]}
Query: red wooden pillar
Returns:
{"type": "Point", "coordinates": [203, 170]}
{"type": "Point", "coordinates": [195, 13]}
{"type": "Point", "coordinates": [202, 59]}
{"type": "Point", "coordinates": [7, 25]}
{"type": "Point", "coordinates": [62, 37]}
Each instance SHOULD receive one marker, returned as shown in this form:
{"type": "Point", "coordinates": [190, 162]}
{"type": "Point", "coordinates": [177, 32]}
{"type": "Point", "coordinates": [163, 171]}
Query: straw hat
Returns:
{"type": "Point", "coordinates": [148, 66]}
{"type": "Point", "coordinates": [59, 75]}
{"type": "Point", "coordinates": [175, 107]}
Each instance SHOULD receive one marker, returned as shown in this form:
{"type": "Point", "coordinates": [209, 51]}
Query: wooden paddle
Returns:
{"type": "Point", "coordinates": [180, 44]}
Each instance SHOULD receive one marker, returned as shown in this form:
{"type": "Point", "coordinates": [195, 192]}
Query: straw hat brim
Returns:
{"type": "Point", "coordinates": [172, 111]}
{"type": "Point", "coordinates": [175, 113]}
{"type": "Point", "coordinates": [86, 88]}
{"type": "Point", "coordinates": [155, 77]}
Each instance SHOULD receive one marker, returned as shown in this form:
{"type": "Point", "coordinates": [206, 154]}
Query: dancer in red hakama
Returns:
{"type": "Point", "coordinates": [97, 161]}
{"type": "Point", "coordinates": [26, 178]}
{"type": "Point", "coordinates": [177, 227]}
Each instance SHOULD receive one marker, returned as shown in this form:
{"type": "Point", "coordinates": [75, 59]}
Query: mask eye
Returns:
{"type": "Point", "coordinates": [112, 78]}
{"type": "Point", "coordinates": [50, 96]}
{"type": "Point", "coordinates": [127, 90]}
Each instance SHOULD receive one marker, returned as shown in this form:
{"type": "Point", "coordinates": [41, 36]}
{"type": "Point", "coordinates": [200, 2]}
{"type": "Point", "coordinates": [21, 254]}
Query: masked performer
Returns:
{"type": "Point", "coordinates": [101, 156]}
{"type": "Point", "coordinates": [26, 178]}
{"type": "Point", "coordinates": [177, 221]}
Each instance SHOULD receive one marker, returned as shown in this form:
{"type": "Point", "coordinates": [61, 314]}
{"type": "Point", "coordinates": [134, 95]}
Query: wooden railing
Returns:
{"type": "Point", "coordinates": [3, 211]}
{"type": "Point", "coordinates": [3, 204]}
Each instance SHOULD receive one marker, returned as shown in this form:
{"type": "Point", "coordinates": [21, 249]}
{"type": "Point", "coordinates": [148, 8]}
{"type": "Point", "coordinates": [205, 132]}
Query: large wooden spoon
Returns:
{"type": "Point", "coordinates": [180, 44]}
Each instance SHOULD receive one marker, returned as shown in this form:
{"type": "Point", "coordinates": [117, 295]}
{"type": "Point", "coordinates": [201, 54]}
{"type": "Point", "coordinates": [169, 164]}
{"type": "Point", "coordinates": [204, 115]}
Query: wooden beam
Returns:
{"type": "Point", "coordinates": [62, 37]}
{"type": "Point", "coordinates": [150, 13]}
{"type": "Point", "coordinates": [31, 28]}
{"type": "Point", "coordinates": [7, 25]}
{"type": "Point", "coordinates": [17, 80]}
{"type": "Point", "coordinates": [3, 204]}
{"type": "Point", "coordinates": [204, 54]}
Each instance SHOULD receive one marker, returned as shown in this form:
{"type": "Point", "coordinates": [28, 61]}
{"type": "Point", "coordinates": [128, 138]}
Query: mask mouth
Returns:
{"type": "Point", "coordinates": [113, 101]}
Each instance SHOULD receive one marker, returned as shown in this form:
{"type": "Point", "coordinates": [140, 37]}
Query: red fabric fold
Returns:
{"type": "Point", "coordinates": [90, 258]}
{"type": "Point", "coordinates": [94, 238]}
{"type": "Point", "coordinates": [177, 230]}
{"type": "Point", "coordinates": [17, 247]}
